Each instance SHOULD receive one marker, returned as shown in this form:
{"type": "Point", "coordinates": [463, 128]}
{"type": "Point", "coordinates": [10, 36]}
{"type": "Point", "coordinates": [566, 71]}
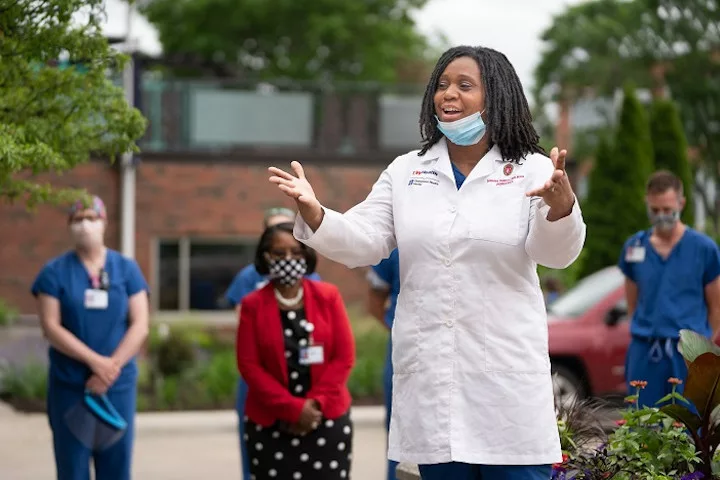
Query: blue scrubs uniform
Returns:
{"type": "Point", "coordinates": [464, 471]}
{"type": "Point", "coordinates": [246, 281]}
{"type": "Point", "coordinates": [102, 329]}
{"type": "Point", "coordinates": [388, 271]}
{"type": "Point", "coordinates": [671, 297]}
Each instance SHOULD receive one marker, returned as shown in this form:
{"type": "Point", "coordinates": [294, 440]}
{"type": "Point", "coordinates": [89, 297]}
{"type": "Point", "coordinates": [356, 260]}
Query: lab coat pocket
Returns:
{"type": "Point", "coordinates": [499, 219]}
{"type": "Point", "coordinates": [516, 334]}
{"type": "Point", "coordinates": [405, 334]}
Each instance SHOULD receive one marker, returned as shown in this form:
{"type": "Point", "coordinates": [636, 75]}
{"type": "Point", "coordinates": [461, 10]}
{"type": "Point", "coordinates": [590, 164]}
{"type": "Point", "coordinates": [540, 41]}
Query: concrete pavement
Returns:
{"type": "Point", "coordinates": [175, 446]}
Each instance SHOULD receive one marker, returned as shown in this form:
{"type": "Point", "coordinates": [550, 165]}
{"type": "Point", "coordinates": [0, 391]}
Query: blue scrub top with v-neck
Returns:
{"type": "Point", "coordinates": [66, 279]}
{"type": "Point", "coordinates": [671, 291]}
{"type": "Point", "coordinates": [459, 177]}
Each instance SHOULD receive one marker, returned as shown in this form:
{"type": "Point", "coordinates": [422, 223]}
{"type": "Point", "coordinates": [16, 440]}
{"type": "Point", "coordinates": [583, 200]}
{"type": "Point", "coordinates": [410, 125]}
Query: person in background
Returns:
{"type": "Point", "coordinates": [246, 281]}
{"type": "Point", "coordinates": [671, 283]}
{"type": "Point", "coordinates": [384, 279]}
{"type": "Point", "coordinates": [553, 289]}
{"type": "Point", "coordinates": [295, 349]}
{"type": "Point", "coordinates": [93, 308]}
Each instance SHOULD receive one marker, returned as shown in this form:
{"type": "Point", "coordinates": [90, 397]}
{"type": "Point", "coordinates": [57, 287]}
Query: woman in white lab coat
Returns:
{"type": "Point", "coordinates": [473, 212]}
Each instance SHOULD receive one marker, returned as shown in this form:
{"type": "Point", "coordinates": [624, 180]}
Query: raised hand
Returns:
{"type": "Point", "coordinates": [557, 191]}
{"type": "Point", "coordinates": [297, 187]}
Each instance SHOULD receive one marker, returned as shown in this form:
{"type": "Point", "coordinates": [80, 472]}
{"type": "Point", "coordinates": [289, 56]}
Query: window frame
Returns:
{"type": "Point", "coordinates": [184, 243]}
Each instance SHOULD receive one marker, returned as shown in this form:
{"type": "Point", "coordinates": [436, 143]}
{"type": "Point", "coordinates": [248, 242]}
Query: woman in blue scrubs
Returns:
{"type": "Point", "coordinates": [93, 306]}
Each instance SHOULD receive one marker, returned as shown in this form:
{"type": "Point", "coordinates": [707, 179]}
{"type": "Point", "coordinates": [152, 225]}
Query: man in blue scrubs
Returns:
{"type": "Point", "coordinates": [672, 283]}
{"type": "Point", "coordinates": [245, 282]}
{"type": "Point", "coordinates": [384, 279]}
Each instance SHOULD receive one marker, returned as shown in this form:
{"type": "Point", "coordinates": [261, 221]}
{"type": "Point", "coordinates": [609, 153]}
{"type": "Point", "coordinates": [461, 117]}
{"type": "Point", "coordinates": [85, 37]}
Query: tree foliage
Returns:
{"type": "Point", "coordinates": [319, 40]}
{"type": "Point", "coordinates": [594, 47]}
{"type": "Point", "coordinates": [615, 207]}
{"type": "Point", "coordinates": [52, 119]}
{"type": "Point", "coordinates": [671, 150]}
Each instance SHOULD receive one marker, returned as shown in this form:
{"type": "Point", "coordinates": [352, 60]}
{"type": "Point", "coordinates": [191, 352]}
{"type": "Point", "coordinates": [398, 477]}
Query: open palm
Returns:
{"type": "Point", "coordinates": [297, 187]}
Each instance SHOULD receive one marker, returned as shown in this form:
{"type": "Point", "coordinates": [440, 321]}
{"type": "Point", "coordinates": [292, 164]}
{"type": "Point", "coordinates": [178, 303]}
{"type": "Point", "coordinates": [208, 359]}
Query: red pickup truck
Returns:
{"type": "Point", "coordinates": [588, 337]}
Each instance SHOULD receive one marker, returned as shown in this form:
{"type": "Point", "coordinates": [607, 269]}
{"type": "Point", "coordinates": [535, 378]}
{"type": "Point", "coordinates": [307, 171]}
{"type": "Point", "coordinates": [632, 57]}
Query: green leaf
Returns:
{"type": "Point", "coordinates": [683, 415]}
{"type": "Point", "coordinates": [702, 382]}
{"type": "Point", "coordinates": [692, 345]}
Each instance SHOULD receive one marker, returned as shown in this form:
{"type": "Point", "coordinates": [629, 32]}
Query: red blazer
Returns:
{"type": "Point", "coordinates": [261, 355]}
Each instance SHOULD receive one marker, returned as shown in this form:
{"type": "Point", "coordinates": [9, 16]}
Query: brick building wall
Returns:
{"type": "Point", "coordinates": [208, 199]}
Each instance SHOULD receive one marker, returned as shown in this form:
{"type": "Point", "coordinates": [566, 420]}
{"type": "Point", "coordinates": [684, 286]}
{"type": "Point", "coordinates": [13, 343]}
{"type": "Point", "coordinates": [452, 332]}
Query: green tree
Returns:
{"type": "Point", "coordinates": [671, 149]}
{"type": "Point", "coordinates": [52, 119]}
{"type": "Point", "coordinates": [319, 40]}
{"type": "Point", "coordinates": [593, 47]}
{"type": "Point", "coordinates": [615, 207]}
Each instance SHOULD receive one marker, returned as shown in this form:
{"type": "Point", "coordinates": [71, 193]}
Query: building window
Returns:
{"type": "Point", "coordinates": [194, 274]}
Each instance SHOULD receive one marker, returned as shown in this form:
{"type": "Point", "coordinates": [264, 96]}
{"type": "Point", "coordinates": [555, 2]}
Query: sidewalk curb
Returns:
{"type": "Point", "coordinates": [201, 421]}
{"type": "Point", "coordinates": [226, 420]}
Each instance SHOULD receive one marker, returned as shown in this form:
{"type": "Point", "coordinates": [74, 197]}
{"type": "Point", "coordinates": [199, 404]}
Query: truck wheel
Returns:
{"type": "Point", "coordinates": [567, 386]}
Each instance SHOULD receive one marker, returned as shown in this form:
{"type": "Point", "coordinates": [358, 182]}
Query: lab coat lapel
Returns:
{"type": "Point", "coordinates": [486, 166]}
{"type": "Point", "coordinates": [438, 158]}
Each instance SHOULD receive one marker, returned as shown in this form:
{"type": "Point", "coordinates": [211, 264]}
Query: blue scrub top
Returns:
{"type": "Point", "coordinates": [459, 177]}
{"type": "Point", "coordinates": [66, 279]}
{"type": "Point", "coordinates": [671, 292]}
{"type": "Point", "coordinates": [248, 280]}
{"type": "Point", "coordinates": [389, 272]}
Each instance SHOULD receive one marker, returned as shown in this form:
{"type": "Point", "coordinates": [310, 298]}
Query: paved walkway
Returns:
{"type": "Point", "coordinates": [174, 446]}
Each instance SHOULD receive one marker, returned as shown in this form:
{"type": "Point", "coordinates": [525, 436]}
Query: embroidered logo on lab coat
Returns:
{"type": "Point", "coordinates": [508, 169]}
{"type": "Point", "coordinates": [423, 177]}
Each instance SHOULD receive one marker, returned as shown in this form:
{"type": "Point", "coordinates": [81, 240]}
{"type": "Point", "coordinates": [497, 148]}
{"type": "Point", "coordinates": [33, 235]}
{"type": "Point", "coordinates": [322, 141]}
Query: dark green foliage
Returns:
{"type": "Point", "coordinates": [314, 40]}
{"type": "Point", "coordinates": [671, 149]}
{"type": "Point", "coordinates": [615, 207]}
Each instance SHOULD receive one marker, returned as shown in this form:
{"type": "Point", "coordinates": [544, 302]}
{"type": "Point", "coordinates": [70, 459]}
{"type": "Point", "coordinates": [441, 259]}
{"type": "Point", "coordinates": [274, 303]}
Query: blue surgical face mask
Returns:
{"type": "Point", "coordinates": [464, 132]}
{"type": "Point", "coordinates": [664, 221]}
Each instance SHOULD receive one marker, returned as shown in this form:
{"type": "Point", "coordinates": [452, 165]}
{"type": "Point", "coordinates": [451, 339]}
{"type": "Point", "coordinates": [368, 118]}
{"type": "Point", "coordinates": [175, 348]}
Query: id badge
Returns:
{"type": "Point", "coordinates": [96, 299]}
{"type": "Point", "coordinates": [635, 254]}
{"type": "Point", "coordinates": [312, 355]}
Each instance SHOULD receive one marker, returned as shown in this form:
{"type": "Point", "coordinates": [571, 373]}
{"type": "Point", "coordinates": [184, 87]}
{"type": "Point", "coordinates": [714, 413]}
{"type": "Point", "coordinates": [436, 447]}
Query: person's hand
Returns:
{"type": "Point", "coordinates": [96, 386]}
{"type": "Point", "coordinates": [310, 415]}
{"type": "Point", "coordinates": [557, 191]}
{"type": "Point", "coordinates": [106, 369]}
{"type": "Point", "coordinates": [297, 187]}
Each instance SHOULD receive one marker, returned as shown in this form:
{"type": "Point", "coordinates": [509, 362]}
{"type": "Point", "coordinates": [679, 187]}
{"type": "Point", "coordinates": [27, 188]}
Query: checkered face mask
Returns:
{"type": "Point", "coordinates": [288, 271]}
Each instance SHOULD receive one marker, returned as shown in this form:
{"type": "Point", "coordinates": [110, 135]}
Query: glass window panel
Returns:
{"type": "Point", "coordinates": [169, 275]}
{"type": "Point", "coordinates": [212, 268]}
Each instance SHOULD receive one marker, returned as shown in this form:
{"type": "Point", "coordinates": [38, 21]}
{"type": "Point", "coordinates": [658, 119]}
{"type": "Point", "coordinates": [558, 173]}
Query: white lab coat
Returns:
{"type": "Point", "coordinates": [471, 367]}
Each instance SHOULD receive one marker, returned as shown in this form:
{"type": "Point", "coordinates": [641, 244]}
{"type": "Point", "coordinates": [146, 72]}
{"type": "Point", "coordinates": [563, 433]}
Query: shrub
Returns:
{"type": "Point", "coordinates": [615, 207]}
{"type": "Point", "coordinates": [25, 386]}
{"type": "Point", "coordinates": [8, 315]}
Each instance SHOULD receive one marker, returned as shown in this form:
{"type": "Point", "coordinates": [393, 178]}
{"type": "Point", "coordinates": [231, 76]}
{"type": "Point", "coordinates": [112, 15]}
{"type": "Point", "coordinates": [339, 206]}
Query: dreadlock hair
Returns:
{"type": "Point", "coordinates": [509, 122]}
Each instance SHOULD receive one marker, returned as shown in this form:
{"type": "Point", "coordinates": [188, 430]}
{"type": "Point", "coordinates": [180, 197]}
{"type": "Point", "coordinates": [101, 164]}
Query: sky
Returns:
{"type": "Point", "coordinates": [510, 26]}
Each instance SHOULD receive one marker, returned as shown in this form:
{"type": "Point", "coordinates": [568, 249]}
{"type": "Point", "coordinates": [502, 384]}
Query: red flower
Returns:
{"type": "Point", "coordinates": [638, 384]}
{"type": "Point", "coordinates": [674, 381]}
{"type": "Point", "coordinates": [620, 423]}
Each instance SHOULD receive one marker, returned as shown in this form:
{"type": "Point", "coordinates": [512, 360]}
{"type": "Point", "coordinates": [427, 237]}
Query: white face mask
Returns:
{"type": "Point", "coordinates": [88, 233]}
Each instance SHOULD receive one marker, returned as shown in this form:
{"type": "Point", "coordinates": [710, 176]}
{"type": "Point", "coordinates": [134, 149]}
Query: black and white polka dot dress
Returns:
{"type": "Point", "coordinates": [322, 454]}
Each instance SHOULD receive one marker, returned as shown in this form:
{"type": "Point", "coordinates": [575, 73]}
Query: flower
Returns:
{"type": "Point", "coordinates": [693, 476]}
{"type": "Point", "coordinates": [638, 384]}
{"type": "Point", "coordinates": [675, 381]}
{"type": "Point", "coordinates": [678, 425]}
{"type": "Point", "coordinates": [620, 422]}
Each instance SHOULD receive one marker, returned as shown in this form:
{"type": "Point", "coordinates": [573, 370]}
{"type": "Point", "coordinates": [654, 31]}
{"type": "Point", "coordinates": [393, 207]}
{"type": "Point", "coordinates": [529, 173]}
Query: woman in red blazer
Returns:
{"type": "Point", "coordinates": [295, 350]}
